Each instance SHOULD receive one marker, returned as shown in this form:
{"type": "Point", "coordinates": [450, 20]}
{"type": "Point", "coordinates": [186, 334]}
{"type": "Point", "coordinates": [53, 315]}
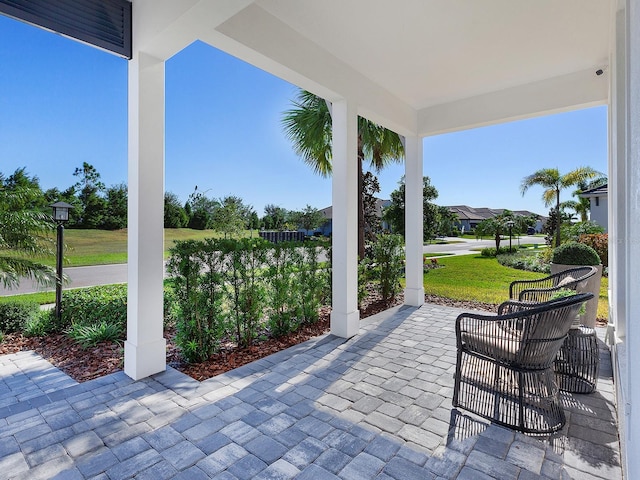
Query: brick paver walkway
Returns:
{"type": "Point", "coordinates": [376, 406]}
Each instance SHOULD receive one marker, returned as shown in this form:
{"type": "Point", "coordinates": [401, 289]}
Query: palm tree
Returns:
{"type": "Point", "coordinates": [308, 126]}
{"type": "Point", "coordinates": [554, 182]}
{"type": "Point", "coordinates": [24, 238]}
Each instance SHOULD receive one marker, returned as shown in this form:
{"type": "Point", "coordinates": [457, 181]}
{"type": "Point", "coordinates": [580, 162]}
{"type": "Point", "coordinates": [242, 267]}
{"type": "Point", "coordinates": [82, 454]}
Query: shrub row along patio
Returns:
{"type": "Point", "coordinates": [244, 287]}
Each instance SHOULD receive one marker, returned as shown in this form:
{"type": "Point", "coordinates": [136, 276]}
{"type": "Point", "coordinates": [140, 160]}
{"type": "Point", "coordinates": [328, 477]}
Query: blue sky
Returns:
{"type": "Point", "coordinates": [63, 103]}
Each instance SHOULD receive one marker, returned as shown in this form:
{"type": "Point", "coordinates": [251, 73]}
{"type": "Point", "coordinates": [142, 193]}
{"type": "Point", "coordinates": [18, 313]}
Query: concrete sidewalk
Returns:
{"type": "Point", "coordinates": [375, 406]}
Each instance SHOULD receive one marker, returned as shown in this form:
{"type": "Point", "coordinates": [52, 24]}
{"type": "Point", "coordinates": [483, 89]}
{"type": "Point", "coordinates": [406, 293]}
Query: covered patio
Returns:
{"type": "Point", "coordinates": [375, 406]}
{"type": "Point", "coordinates": [420, 68]}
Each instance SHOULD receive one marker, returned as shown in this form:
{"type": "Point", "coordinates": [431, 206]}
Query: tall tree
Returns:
{"type": "Point", "coordinates": [231, 216]}
{"type": "Point", "coordinates": [90, 187]}
{"type": "Point", "coordinates": [25, 237]}
{"type": "Point", "coordinates": [274, 217]}
{"type": "Point", "coordinates": [20, 179]}
{"type": "Point", "coordinates": [200, 209]}
{"type": "Point", "coordinates": [174, 213]}
{"type": "Point", "coordinates": [553, 183]}
{"type": "Point", "coordinates": [394, 214]}
{"type": "Point", "coordinates": [308, 126]}
{"type": "Point", "coordinates": [308, 219]}
{"type": "Point", "coordinates": [446, 221]}
{"type": "Point", "coordinates": [115, 212]}
{"type": "Point", "coordinates": [372, 214]}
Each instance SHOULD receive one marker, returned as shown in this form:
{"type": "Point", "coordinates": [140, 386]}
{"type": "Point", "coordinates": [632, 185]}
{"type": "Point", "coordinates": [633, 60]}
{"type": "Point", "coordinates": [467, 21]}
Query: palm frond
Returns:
{"type": "Point", "coordinates": [580, 174]}
{"type": "Point", "coordinates": [308, 126]}
{"type": "Point", "coordinates": [12, 269]}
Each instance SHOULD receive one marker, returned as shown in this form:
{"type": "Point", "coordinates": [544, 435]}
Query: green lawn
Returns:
{"type": "Point", "coordinates": [101, 247]}
{"type": "Point", "coordinates": [473, 277]}
{"type": "Point", "coordinates": [483, 279]}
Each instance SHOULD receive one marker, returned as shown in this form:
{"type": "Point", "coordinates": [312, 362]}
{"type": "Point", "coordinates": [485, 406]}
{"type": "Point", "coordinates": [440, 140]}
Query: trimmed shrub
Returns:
{"type": "Point", "coordinates": [283, 288]}
{"type": "Point", "coordinates": [313, 282]}
{"type": "Point", "coordinates": [15, 315]}
{"type": "Point", "coordinates": [196, 270]}
{"type": "Point", "coordinates": [41, 325]}
{"type": "Point", "coordinates": [600, 243]}
{"type": "Point", "coordinates": [492, 252]}
{"type": "Point", "coordinates": [241, 287]}
{"type": "Point", "coordinates": [531, 262]}
{"type": "Point", "coordinates": [245, 258]}
{"type": "Point", "coordinates": [574, 253]}
{"type": "Point", "coordinates": [366, 275]}
{"type": "Point", "coordinates": [94, 305]}
{"type": "Point", "coordinates": [388, 253]}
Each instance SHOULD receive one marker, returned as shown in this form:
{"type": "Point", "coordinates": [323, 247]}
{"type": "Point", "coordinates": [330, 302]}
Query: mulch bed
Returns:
{"type": "Point", "coordinates": [107, 357]}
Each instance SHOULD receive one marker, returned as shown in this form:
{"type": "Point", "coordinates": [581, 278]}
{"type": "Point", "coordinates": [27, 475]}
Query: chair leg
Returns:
{"type": "Point", "coordinates": [521, 401]}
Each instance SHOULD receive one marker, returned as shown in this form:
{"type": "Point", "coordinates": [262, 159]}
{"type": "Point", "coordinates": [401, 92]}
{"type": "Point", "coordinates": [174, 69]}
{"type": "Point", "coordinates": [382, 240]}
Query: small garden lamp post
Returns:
{"type": "Point", "coordinates": [60, 216]}
{"type": "Point", "coordinates": [510, 224]}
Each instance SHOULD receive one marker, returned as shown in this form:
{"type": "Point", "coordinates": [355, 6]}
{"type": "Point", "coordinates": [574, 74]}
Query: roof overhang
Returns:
{"type": "Point", "coordinates": [417, 66]}
{"type": "Point", "coordinates": [105, 24]}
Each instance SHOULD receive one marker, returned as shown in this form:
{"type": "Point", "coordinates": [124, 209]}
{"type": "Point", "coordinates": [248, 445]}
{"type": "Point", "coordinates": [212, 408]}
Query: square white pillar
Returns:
{"type": "Point", "coordinates": [413, 221]}
{"type": "Point", "coordinates": [145, 347]}
{"type": "Point", "coordinates": [632, 237]}
{"type": "Point", "coordinates": [345, 317]}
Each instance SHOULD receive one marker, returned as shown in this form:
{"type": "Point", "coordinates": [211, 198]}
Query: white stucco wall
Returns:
{"type": "Point", "coordinates": [599, 212]}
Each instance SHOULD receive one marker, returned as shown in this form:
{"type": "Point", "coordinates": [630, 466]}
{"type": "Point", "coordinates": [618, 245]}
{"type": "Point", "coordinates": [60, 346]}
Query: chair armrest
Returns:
{"type": "Point", "coordinates": [519, 285]}
{"type": "Point", "coordinates": [570, 279]}
{"type": "Point", "coordinates": [529, 333]}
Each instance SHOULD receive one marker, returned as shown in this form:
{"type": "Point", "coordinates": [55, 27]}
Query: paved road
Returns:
{"type": "Point", "coordinates": [107, 274]}
{"type": "Point", "coordinates": [80, 277]}
{"type": "Point", "coordinates": [468, 246]}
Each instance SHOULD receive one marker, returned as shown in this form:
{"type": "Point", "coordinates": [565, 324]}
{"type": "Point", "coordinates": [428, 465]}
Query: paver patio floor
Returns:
{"type": "Point", "coordinates": [375, 406]}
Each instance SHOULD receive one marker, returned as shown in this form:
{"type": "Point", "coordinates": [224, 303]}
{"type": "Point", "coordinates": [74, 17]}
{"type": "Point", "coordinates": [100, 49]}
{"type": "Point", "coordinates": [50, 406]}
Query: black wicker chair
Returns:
{"type": "Point", "coordinates": [504, 363]}
{"type": "Point", "coordinates": [577, 362]}
{"type": "Point", "coordinates": [543, 289]}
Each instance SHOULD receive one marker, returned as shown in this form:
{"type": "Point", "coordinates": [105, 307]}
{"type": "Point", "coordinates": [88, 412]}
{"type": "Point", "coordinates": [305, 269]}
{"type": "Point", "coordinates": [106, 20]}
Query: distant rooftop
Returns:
{"type": "Point", "coordinates": [465, 212]}
{"type": "Point", "coordinates": [596, 192]}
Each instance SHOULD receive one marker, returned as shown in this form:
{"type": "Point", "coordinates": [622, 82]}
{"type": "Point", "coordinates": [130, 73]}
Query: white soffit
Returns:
{"type": "Point", "coordinates": [405, 61]}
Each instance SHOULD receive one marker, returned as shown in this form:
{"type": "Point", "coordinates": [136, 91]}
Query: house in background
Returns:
{"type": "Point", "coordinates": [599, 206]}
{"type": "Point", "coordinates": [470, 217]}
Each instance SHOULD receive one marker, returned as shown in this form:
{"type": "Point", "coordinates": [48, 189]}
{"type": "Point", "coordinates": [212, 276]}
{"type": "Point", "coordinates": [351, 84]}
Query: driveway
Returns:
{"type": "Point", "coordinates": [465, 246]}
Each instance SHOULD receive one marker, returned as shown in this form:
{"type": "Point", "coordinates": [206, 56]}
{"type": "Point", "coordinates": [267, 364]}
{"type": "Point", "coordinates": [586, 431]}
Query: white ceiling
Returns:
{"type": "Point", "coordinates": [423, 66]}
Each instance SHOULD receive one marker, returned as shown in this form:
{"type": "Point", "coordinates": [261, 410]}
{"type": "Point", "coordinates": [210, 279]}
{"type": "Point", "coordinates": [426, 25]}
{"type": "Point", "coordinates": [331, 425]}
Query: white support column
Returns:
{"type": "Point", "coordinates": [632, 240]}
{"type": "Point", "coordinates": [617, 202]}
{"type": "Point", "coordinates": [345, 317]}
{"type": "Point", "coordinates": [145, 348]}
{"type": "Point", "coordinates": [617, 228]}
{"type": "Point", "coordinates": [413, 219]}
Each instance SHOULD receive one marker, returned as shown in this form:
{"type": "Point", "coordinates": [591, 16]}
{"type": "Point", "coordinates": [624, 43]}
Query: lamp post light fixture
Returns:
{"type": "Point", "coordinates": [510, 224]}
{"type": "Point", "coordinates": [60, 216]}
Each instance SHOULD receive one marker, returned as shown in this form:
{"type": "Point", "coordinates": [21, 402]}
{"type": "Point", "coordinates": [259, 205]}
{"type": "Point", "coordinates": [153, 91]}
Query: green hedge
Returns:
{"type": "Point", "coordinates": [242, 288]}
{"type": "Point", "coordinates": [14, 316]}
{"type": "Point", "coordinates": [93, 305]}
